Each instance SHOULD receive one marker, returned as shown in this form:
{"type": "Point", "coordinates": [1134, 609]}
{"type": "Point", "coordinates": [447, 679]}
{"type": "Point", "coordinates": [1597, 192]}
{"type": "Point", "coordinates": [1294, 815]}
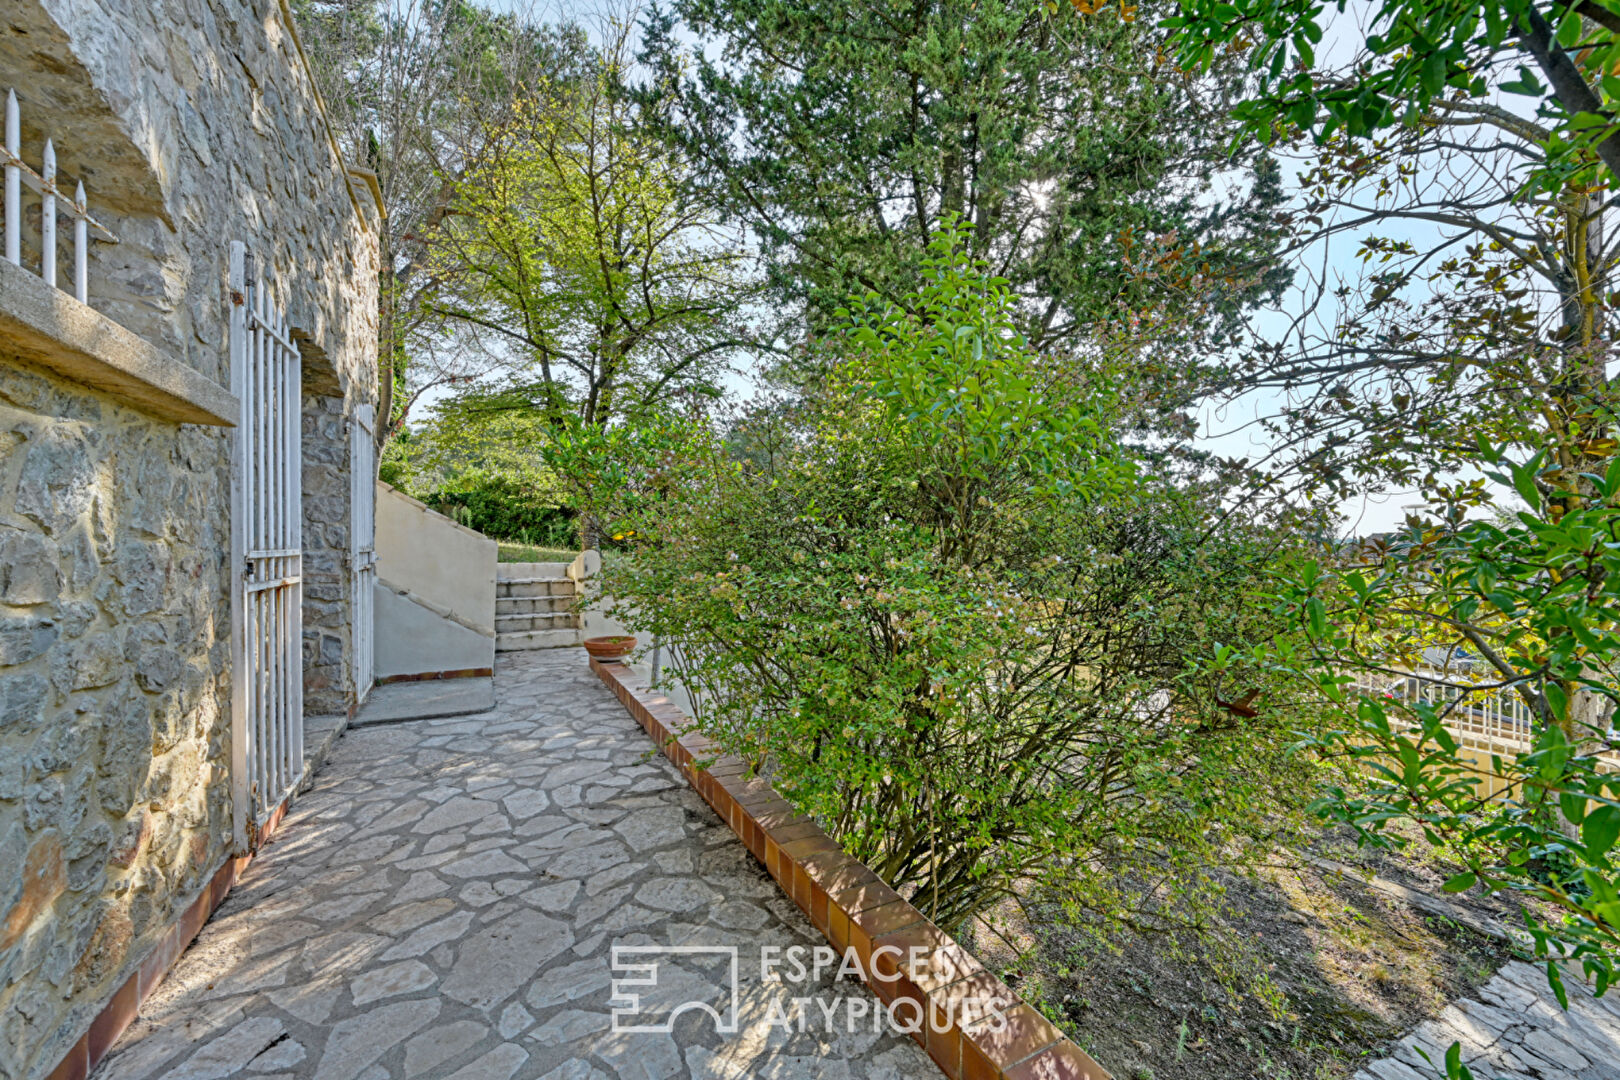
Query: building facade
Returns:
{"type": "Point", "coordinates": [186, 472]}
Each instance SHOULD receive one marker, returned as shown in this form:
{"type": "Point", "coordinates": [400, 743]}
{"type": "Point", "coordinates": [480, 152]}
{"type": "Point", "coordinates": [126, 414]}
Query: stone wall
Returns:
{"type": "Point", "coordinates": [192, 123]}
{"type": "Point", "coordinates": [328, 678]}
{"type": "Point", "coordinates": [114, 705]}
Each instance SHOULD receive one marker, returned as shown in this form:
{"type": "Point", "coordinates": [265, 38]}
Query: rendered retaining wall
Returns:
{"type": "Point", "coordinates": [435, 592]}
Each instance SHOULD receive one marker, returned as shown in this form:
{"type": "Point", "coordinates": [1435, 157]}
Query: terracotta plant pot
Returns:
{"type": "Point", "coordinates": [610, 648]}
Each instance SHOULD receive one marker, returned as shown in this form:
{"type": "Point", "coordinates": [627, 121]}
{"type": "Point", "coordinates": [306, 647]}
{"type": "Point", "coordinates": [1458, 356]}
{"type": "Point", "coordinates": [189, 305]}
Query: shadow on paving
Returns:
{"type": "Point", "coordinates": [445, 901]}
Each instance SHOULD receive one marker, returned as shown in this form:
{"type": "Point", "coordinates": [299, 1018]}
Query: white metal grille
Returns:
{"type": "Point", "coordinates": [1494, 720]}
{"type": "Point", "coordinates": [268, 727]}
{"type": "Point", "coordinates": [363, 550]}
{"type": "Point", "coordinates": [53, 203]}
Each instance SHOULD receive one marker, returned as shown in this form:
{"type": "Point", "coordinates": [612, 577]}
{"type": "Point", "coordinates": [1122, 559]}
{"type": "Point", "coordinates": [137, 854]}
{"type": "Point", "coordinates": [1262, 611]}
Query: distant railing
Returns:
{"type": "Point", "coordinates": [52, 203]}
{"type": "Point", "coordinates": [1496, 720]}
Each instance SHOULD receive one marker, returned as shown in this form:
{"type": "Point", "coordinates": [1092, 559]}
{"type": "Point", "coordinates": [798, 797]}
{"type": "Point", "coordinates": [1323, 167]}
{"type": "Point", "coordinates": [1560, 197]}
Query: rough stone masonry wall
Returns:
{"type": "Point", "coordinates": [114, 718]}
{"type": "Point", "coordinates": [327, 579]}
{"type": "Point", "coordinates": [192, 123]}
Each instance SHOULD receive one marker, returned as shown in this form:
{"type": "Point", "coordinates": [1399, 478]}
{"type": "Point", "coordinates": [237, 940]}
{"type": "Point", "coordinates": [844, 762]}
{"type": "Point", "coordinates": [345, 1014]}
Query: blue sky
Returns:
{"type": "Point", "coordinates": [1230, 429]}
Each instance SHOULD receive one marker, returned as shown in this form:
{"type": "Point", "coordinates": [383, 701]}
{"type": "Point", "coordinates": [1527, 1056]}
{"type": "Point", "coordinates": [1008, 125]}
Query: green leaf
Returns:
{"type": "Point", "coordinates": [1461, 883]}
{"type": "Point", "coordinates": [1557, 701]}
{"type": "Point", "coordinates": [1524, 482]}
{"type": "Point", "coordinates": [1316, 615]}
{"type": "Point", "coordinates": [1434, 73]}
{"type": "Point", "coordinates": [1569, 28]}
{"type": "Point", "coordinates": [1556, 981]}
{"type": "Point", "coordinates": [1526, 84]}
{"type": "Point", "coordinates": [1599, 831]}
{"type": "Point", "coordinates": [1573, 806]}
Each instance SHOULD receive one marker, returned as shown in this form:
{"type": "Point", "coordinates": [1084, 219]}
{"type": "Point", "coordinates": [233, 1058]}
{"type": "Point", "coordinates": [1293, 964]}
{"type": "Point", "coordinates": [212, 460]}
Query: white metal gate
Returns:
{"type": "Point", "coordinates": [363, 547]}
{"type": "Point", "coordinates": [267, 754]}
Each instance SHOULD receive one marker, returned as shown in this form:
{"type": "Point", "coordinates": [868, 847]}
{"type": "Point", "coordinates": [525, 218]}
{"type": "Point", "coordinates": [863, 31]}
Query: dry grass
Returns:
{"type": "Point", "coordinates": [1320, 972]}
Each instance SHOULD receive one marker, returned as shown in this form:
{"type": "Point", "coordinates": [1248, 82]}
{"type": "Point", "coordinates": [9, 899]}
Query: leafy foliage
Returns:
{"type": "Point", "coordinates": [576, 242]}
{"type": "Point", "coordinates": [506, 508]}
{"type": "Point", "coordinates": [847, 135]}
{"type": "Point", "coordinates": [1423, 56]}
{"type": "Point", "coordinates": [953, 618]}
{"type": "Point", "coordinates": [1535, 600]}
{"type": "Point", "coordinates": [414, 89]}
{"type": "Point", "coordinates": [1475, 337]}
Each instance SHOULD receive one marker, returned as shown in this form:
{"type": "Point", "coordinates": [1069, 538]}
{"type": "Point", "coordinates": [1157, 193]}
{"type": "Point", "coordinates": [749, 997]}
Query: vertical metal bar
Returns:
{"type": "Point", "coordinates": [272, 395]}
{"type": "Point", "coordinates": [265, 566]}
{"type": "Point", "coordinates": [284, 562]}
{"type": "Point", "coordinates": [47, 218]}
{"type": "Point", "coordinates": [278, 709]}
{"type": "Point", "coordinates": [289, 408]}
{"type": "Point", "coordinates": [291, 656]}
{"type": "Point", "coordinates": [13, 181]}
{"type": "Point", "coordinates": [266, 630]}
{"type": "Point", "coordinates": [295, 502]}
{"type": "Point", "coordinates": [260, 431]}
{"type": "Point", "coordinates": [250, 682]}
{"type": "Point", "coordinates": [81, 248]}
{"type": "Point", "coordinates": [240, 737]}
{"type": "Point", "coordinates": [291, 662]}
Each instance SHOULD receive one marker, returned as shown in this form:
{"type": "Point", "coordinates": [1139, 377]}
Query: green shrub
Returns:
{"type": "Point", "coordinates": [505, 508]}
{"type": "Point", "coordinates": [956, 619]}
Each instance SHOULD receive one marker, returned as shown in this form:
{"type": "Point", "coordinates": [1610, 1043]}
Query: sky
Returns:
{"type": "Point", "coordinates": [1230, 429]}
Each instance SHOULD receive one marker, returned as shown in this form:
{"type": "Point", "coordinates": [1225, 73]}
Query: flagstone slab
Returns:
{"type": "Point", "coordinates": [445, 901]}
{"type": "Point", "coordinates": [1515, 1030]}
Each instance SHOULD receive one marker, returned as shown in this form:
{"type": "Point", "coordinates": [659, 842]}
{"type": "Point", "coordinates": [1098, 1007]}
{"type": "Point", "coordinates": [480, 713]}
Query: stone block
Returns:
{"type": "Point", "coordinates": [29, 571]}
{"type": "Point", "coordinates": [43, 879]}
{"type": "Point", "coordinates": [24, 637]}
{"type": "Point", "coordinates": [22, 702]}
{"type": "Point", "coordinates": [57, 480]}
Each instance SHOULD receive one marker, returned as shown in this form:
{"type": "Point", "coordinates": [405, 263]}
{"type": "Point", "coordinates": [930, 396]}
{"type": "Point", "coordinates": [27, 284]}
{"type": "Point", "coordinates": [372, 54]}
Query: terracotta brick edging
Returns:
{"type": "Point", "coordinates": [856, 911]}
{"type": "Point", "coordinates": [429, 676]}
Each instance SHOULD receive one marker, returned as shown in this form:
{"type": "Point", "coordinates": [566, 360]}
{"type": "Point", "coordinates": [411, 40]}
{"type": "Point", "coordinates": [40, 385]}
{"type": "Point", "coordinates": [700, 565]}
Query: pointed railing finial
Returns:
{"type": "Point", "coordinates": [47, 217]}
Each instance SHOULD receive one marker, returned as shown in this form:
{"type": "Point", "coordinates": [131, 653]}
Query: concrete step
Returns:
{"type": "Point", "coordinates": [534, 587]}
{"type": "Point", "coordinates": [537, 639]}
{"type": "Point", "coordinates": [514, 570]}
{"type": "Point", "coordinates": [424, 699]}
{"type": "Point", "coordinates": [544, 620]}
{"type": "Point", "coordinates": [528, 605]}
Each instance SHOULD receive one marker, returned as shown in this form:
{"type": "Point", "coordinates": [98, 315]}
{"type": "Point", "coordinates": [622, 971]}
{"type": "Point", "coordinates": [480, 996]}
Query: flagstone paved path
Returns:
{"type": "Point", "coordinates": [1513, 1029]}
{"type": "Point", "coordinates": [444, 902]}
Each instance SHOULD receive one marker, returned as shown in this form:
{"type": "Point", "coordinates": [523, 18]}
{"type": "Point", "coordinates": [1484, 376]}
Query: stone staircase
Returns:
{"type": "Point", "coordinates": [534, 607]}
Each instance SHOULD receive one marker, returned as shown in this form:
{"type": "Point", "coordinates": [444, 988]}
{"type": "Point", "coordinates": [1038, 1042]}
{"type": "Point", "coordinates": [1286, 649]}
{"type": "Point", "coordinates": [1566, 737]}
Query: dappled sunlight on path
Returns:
{"type": "Point", "coordinates": [445, 900]}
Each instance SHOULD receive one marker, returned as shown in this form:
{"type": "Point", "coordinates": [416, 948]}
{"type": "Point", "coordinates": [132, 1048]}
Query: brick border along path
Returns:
{"type": "Point", "coordinates": [909, 960]}
{"type": "Point", "coordinates": [444, 901]}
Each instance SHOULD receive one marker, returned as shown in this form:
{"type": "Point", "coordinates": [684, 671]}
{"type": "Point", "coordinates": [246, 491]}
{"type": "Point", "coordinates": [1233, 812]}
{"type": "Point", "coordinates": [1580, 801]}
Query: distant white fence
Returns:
{"type": "Point", "coordinates": [53, 204]}
{"type": "Point", "coordinates": [1494, 720]}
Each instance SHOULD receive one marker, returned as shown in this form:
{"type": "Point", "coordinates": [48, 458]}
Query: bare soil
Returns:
{"type": "Point", "coordinates": [1306, 974]}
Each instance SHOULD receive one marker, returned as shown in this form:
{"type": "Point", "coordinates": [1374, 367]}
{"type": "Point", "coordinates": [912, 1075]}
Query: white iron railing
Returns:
{"type": "Point", "coordinates": [267, 540]}
{"type": "Point", "coordinates": [1495, 720]}
{"type": "Point", "coordinates": [53, 202]}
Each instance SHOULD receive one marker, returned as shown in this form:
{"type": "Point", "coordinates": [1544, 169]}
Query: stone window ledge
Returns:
{"type": "Point", "coordinates": [48, 327]}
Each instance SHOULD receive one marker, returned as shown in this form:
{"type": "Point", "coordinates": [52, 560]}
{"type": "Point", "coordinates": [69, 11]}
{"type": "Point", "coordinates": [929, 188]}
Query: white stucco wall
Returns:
{"type": "Point", "coordinates": [415, 640]}
{"type": "Point", "coordinates": [447, 566]}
